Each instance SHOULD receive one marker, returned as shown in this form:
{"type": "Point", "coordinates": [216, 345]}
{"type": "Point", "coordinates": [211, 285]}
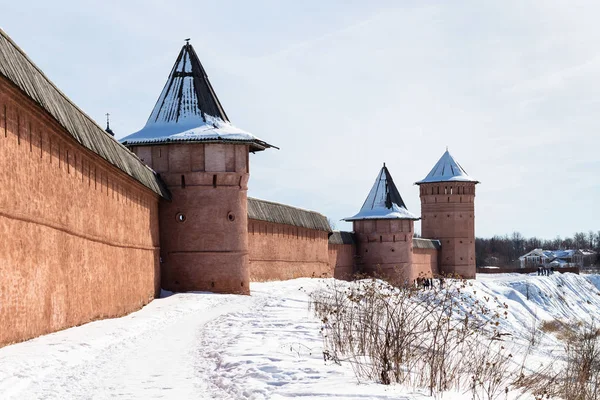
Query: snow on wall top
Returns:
{"type": "Point", "coordinates": [188, 109]}
{"type": "Point", "coordinates": [447, 169]}
{"type": "Point", "coordinates": [384, 201]}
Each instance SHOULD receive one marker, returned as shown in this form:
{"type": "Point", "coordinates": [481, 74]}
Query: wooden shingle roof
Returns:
{"type": "Point", "coordinates": [25, 75]}
{"type": "Point", "coordinates": [421, 243]}
{"type": "Point", "coordinates": [269, 211]}
{"type": "Point", "coordinates": [341, 237]}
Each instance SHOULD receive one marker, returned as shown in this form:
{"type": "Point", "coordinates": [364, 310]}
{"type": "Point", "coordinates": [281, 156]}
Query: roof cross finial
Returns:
{"type": "Point", "coordinates": [384, 164]}
{"type": "Point", "coordinates": [187, 41]}
{"type": "Point", "coordinates": [108, 130]}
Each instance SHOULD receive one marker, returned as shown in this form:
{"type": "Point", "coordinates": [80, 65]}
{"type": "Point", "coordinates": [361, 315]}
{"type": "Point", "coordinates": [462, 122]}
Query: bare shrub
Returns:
{"type": "Point", "coordinates": [578, 374]}
{"type": "Point", "coordinates": [439, 338]}
{"type": "Point", "coordinates": [552, 326]}
{"type": "Point", "coordinates": [582, 372]}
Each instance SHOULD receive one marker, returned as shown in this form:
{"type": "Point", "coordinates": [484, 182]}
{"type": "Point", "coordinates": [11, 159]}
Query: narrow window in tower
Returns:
{"type": "Point", "coordinates": [451, 189]}
{"type": "Point", "coordinates": [435, 199]}
{"type": "Point", "coordinates": [159, 152]}
{"type": "Point", "coordinates": [214, 181]}
{"type": "Point", "coordinates": [448, 199]}
{"type": "Point", "coordinates": [380, 239]}
{"type": "Point", "coordinates": [183, 181]}
{"type": "Point", "coordinates": [394, 238]}
{"type": "Point", "coordinates": [460, 199]}
{"type": "Point", "coordinates": [438, 188]}
{"type": "Point", "coordinates": [432, 190]}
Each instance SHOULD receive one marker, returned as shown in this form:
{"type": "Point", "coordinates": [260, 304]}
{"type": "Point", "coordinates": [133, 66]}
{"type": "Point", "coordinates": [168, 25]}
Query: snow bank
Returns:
{"type": "Point", "coordinates": [264, 346]}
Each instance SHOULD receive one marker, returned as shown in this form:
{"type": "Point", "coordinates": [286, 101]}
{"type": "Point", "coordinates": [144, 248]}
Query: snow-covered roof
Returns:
{"type": "Point", "coordinates": [384, 201]}
{"type": "Point", "coordinates": [556, 254]}
{"type": "Point", "coordinates": [447, 169]}
{"type": "Point", "coordinates": [188, 110]}
{"type": "Point", "coordinates": [564, 253]}
{"type": "Point", "coordinates": [535, 253]}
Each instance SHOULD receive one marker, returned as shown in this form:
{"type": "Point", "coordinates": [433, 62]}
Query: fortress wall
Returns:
{"type": "Point", "coordinates": [280, 251]}
{"type": "Point", "coordinates": [78, 237]}
{"type": "Point", "coordinates": [341, 260]}
{"type": "Point", "coordinates": [425, 262]}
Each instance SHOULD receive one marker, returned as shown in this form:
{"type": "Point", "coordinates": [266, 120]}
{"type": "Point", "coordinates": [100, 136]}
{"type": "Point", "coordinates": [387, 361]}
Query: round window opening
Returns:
{"type": "Point", "coordinates": [180, 217]}
{"type": "Point", "coordinates": [231, 217]}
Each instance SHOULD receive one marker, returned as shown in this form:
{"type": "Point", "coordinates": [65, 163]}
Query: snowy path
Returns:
{"type": "Point", "coordinates": [264, 346]}
{"type": "Point", "coordinates": [189, 346]}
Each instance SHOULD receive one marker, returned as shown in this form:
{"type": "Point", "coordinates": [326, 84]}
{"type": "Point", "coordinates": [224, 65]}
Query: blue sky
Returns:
{"type": "Point", "coordinates": [512, 87]}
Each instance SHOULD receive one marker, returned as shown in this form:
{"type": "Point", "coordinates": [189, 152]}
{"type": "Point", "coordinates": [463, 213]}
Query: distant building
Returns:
{"type": "Point", "coordinates": [535, 258]}
{"type": "Point", "coordinates": [558, 258]}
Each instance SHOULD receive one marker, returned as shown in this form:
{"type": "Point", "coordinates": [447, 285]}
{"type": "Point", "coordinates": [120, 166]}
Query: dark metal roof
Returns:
{"type": "Point", "coordinates": [183, 97]}
{"type": "Point", "coordinates": [188, 110]}
{"type": "Point", "coordinates": [341, 237]}
{"type": "Point", "coordinates": [392, 193]}
{"type": "Point", "coordinates": [447, 169]}
{"type": "Point", "coordinates": [269, 211]}
{"type": "Point", "coordinates": [421, 243]}
{"type": "Point", "coordinates": [384, 201]}
{"type": "Point", "coordinates": [24, 74]}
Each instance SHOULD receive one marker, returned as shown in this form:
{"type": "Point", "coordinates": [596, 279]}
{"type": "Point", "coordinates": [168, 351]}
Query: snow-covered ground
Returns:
{"type": "Point", "coordinates": [264, 346]}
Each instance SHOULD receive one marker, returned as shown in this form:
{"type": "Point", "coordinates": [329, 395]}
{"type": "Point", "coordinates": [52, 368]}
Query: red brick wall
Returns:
{"type": "Point", "coordinates": [448, 215]}
{"type": "Point", "coordinates": [341, 260]}
{"type": "Point", "coordinates": [208, 183]}
{"type": "Point", "coordinates": [425, 262]}
{"type": "Point", "coordinates": [384, 248]}
{"type": "Point", "coordinates": [279, 252]}
{"type": "Point", "coordinates": [79, 238]}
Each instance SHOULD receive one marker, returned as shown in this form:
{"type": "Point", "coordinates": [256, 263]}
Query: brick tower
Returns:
{"type": "Point", "coordinates": [448, 215]}
{"type": "Point", "coordinates": [384, 232]}
{"type": "Point", "coordinates": [204, 161]}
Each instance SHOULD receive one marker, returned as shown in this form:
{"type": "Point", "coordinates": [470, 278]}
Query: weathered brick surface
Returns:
{"type": "Point", "coordinates": [341, 260]}
{"type": "Point", "coordinates": [279, 252]}
{"type": "Point", "coordinates": [79, 238]}
{"type": "Point", "coordinates": [208, 250]}
{"type": "Point", "coordinates": [448, 215]}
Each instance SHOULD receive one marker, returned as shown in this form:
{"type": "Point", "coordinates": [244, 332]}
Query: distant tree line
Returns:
{"type": "Point", "coordinates": [506, 250]}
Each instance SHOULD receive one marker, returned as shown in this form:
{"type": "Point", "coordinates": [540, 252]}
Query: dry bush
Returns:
{"type": "Point", "coordinates": [552, 326]}
{"type": "Point", "coordinates": [581, 380]}
{"type": "Point", "coordinates": [439, 339]}
{"type": "Point", "coordinates": [577, 376]}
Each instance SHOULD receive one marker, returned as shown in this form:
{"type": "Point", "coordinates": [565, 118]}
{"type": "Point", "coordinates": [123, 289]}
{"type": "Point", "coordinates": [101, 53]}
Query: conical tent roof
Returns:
{"type": "Point", "coordinates": [384, 201]}
{"type": "Point", "coordinates": [188, 109]}
{"type": "Point", "coordinates": [447, 169]}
